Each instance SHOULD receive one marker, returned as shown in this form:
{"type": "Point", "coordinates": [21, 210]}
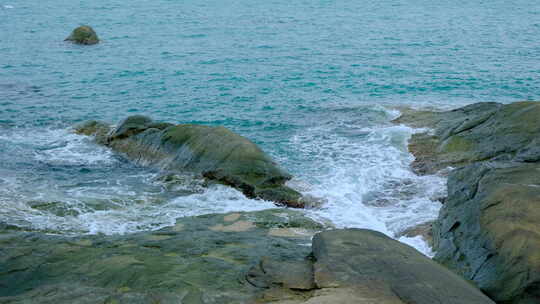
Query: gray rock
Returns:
{"type": "Point", "coordinates": [488, 230]}
{"type": "Point", "coordinates": [474, 133]}
{"type": "Point", "coordinates": [359, 257]}
{"type": "Point", "coordinates": [365, 267]}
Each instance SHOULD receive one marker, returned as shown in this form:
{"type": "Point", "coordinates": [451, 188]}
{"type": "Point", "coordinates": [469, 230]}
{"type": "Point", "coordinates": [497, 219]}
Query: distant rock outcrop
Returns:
{"type": "Point", "coordinates": [488, 230]}
{"type": "Point", "coordinates": [83, 35]}
{"type": "Point", "coordinates": [216, 153]}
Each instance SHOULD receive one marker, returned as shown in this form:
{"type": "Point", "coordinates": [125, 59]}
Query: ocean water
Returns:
{"type": "Point", "coordinates": [314, 83]}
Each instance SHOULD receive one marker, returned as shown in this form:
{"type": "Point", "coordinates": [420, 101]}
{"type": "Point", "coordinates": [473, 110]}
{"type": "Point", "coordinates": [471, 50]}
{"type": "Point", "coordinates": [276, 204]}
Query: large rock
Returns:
{"type": "Point", "coordinates": [477, 132]}
{"type": "Point", "coordinates": [361, 266]}
{"type": "Point", "coordinates": [488, 230]}
{"type": "Point", "coordinates": [83, 35]}
{"type": "Point", "coordinates": [214, 152]}
{"type": "Point", "coordinates": [200, 260]}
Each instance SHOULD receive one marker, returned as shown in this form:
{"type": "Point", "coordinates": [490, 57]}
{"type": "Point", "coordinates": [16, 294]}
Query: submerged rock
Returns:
{"type": "Point", "coordinates": [99, 130]}
{"type": "Point", "coordinates": [216, 153]}
{"type": "Point", "coordinates": [196, 261]}
{"type": "Point", "coordinates": [362, 266]}
{"type": "Point", "coordinates": [83, 35]}
{"type": "Point", "coordinates": [488, 230]}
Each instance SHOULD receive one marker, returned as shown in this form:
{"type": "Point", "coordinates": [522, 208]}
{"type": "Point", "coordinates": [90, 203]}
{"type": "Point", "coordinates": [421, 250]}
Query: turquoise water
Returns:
{"type": "Point", "coordinates": [315, 83]}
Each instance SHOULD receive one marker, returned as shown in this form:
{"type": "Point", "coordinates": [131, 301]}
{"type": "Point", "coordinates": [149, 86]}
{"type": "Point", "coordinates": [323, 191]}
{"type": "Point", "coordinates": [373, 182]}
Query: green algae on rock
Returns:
{"type": "Point", "coordinates": [98, 129]}
{"type": "Point", "coordinates": [488, 230]}
{"type": "Point", "coordinates": [477, 132]}
{"type": "Point", "coordinates": [216, 153]}
{"type": "Point", "coordinates": [83, 35]}
{"type": "Point", "coordinates": [191, 262]}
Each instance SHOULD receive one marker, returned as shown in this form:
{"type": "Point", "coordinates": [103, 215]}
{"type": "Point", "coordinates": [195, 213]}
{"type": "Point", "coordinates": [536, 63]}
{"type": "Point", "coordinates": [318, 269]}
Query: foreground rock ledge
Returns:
{"type": "Point", "coordinates": [83, 35]}
{"type": "Point", "coordinates": [216, 153]}
{"type": "Point", "coordinates": [200, 260]}
{"type": "Point", "coordinates": [488, 230]}
{"type": "Point", "coordinates": [361, 266]}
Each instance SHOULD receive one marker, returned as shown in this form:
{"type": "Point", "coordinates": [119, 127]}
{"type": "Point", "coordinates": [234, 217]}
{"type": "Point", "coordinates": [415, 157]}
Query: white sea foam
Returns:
{"type": "Point", "coordinates": [7, 6]}
{"type": "Point", "coordinates": [60, 146]}
{"type": "Point", "coordinates": [367, 181]}
{"type": "Point", "coordinates": [148, 216]}
{"type": "Point", "coordinates": [361, 173]}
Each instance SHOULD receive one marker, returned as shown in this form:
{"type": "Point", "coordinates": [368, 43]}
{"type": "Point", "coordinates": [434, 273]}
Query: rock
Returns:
{"type": "Point", "coordinates": [488, 229]}
{"type": "Point", "coordinates": [83, 35]}
{"type": "Point", "coordinates": [216, 153]}
{"type": "Point", "coordinates": [359, 257]}
{"type": "Point", "coordinates": [477, 132]}
{"type": "Point", "coordinates": [424, 230]}
{"type": "Point", "coordinates": [269, 273]}
{"type": "Point", "coordinates": [188, 263]}
{"type": "Point", "coordinates": [363, 266]}
{"type": "Point", "coordinates": [98, 129]}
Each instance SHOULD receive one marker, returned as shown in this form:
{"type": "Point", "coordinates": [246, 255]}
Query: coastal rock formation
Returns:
{"type": "Point", "coordinates": [478, 132]}
{"type": "Point", "coordinates": [488, 230]}
{"type": "Point", "coordinates": [216, 153]}
{"type": "Point", "coordinates": [200, 260]}
{"type": "Point", "coordinates": [362, 266]}
{"type": "Point", "coordinates": [83, 35]}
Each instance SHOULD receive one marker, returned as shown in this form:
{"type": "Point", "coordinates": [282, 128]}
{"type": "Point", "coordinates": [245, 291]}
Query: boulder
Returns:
{"type": "Point", "coordinates": [83, 35]}
{"type": "Point", "coordinates": [477, 132]}
{"type": "Point", "coordinates": [216, 153]}
{"type": "Point", "coordinates": [365, 267]}
{"type": "Point", "coordinates": [488, 229]}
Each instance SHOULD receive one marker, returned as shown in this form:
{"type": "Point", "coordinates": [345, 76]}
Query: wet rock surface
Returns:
{"type": "Point", "coordinates": [215, 153]}
{"type": "Point", "coordinates": [362, 266]}
{"type": "Point", "coordinates": [488, 230]}
{"type": "Point", "coordinates": [199, 260]}
{"type": "Point", "coordinates": [225, 258]}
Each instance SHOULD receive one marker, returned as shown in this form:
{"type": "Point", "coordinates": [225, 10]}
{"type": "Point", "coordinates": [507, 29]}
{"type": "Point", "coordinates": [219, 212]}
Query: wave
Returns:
{"type": "Point", "coordinates": [60, 182]}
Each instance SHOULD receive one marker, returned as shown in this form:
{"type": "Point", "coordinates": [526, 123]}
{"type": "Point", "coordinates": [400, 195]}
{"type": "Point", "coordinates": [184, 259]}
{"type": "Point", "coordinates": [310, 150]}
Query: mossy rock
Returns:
{"type": "Point", "coordinates": [199, 260]}
{"type": "Point", "coordinates": [83, 35]}
{"type": "Point", "coordinates": [98, 129]}
{"type": "Point", "coordinates": [488, 230]}
{"type": "Point", "coordinates": [476, 132]}
{"type": "Point", "coordinates": [215, 153]}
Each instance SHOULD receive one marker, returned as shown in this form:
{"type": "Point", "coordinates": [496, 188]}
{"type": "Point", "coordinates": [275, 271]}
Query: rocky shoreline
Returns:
{"type": "Point", "coordinates": [486, 239]}
{"type": "Point", "coordinates": [488, 229]}
{"type": "Point", "coordinates": [247, 257]}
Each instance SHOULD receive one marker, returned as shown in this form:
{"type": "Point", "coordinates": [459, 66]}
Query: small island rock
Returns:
{"type": "Point", "coordinates": [83, 35]}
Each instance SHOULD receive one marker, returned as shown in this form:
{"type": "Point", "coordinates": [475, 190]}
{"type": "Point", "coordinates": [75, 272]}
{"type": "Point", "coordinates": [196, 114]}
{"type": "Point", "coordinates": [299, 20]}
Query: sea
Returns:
{"type": "Point", "coordinates": [315, 83]}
